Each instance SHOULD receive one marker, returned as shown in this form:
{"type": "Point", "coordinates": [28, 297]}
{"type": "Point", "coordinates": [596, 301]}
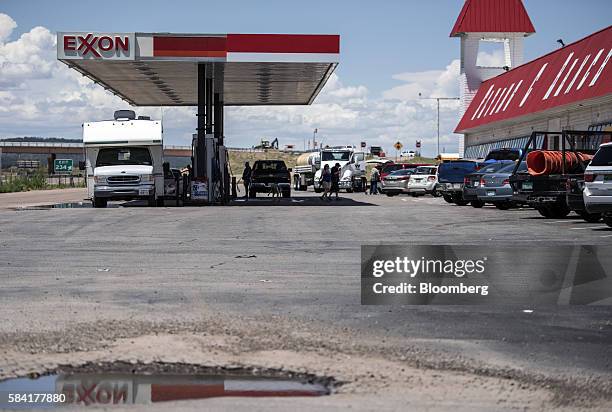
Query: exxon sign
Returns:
{"type": "Point", "coordinates": [96, 46]}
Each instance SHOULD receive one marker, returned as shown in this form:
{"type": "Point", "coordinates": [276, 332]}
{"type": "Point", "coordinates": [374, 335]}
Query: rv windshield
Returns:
{"type": "Point", "coordinates": [119, 156]}
{"type": "Point", "coordinates": [337, 156]}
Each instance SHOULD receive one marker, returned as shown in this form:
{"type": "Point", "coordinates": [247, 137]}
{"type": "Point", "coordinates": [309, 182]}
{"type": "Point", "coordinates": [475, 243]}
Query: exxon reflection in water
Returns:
{"type": "Point", "coordinates": [123, 389]}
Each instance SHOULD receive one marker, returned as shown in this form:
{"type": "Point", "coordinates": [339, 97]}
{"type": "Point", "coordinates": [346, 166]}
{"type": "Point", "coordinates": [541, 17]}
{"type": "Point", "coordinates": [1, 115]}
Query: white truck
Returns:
{"type": "Point", "coordinates": [305, 168]}
{"type": "Point", "coordinates": [124, 159]}
{"type": "Point", "coordinates": [352, 167]}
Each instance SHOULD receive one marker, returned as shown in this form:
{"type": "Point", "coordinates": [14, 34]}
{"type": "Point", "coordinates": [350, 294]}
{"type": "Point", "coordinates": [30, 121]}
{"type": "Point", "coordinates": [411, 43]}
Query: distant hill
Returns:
{"type": "Point", "coordinates": [41, 139]}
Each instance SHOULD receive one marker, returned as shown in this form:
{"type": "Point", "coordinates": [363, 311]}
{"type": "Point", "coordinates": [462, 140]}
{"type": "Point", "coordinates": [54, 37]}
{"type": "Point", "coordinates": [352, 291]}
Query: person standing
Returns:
{"type": "Point", "coordinates": [374, 179]}
{"type": "Point", "coordinates": [335, 180]}
{"type": "Point", "coordinates": [246, 178]}
{"type": "Point", "coordinates": [326, 181]}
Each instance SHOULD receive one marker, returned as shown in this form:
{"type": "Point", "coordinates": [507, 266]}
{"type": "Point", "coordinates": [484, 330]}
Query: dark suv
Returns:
{"type": "Point", "coordinates": [266, 173]}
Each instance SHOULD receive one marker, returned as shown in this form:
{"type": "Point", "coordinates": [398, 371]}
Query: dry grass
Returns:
{"type": "Point", "coordinates": [237, 158]}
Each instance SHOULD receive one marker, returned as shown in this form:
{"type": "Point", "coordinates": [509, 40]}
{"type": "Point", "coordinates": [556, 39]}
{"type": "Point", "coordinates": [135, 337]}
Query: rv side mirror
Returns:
{"type": "Point", "coordinates": [81, 165]}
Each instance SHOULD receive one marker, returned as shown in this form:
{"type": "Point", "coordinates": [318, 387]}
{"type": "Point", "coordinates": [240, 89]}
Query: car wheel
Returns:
{"type": "Point", "coordinates": [543, 210]}
{"type": "Point", "coordinates": [477, 204]}
{"type": "Point", "coordinates": [590, 217]}
{"type": "Point", "coordinates": [435, 193]}
{"type": "Point", "coordinates": [608, 219]}
{"type": "Point", "coordinates": [296, 182]}
{"type": "Point", "coordinates": [559, 210]}
{"type": "Point", "coordinates": [252, 194]}
{"type": "Point", "coordinates": [159, 202]}
{"type": "Point", "coordinates": [503, 205]}
{"type": "Point", "coordinates": [447, 198]}
{"type": "Point", "coordinates": [287, 193]}
{"type": "Point", "coordinates": [459, 201]}
{"type": "Point", "coordinates": [303, 188]}
{"type": "Point", "coordinates": [390, 194]}
{"type": "Point", "coordinates": [318, 190]}
{"type": "Point", "coordinates": [99, 203]}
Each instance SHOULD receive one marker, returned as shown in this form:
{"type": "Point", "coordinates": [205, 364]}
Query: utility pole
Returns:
{"type": "Point", "coordinates": [314, 136]}
{"type": "Point", "coordinates": [437, 99]}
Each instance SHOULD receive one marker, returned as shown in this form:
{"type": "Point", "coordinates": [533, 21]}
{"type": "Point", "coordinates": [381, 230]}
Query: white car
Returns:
{"type": "Point", "coordinates": [408, 155]}
{"type": "Point", "coordinates": [423, 181]}
{"type": "Point", "coordinates": [598, 184]}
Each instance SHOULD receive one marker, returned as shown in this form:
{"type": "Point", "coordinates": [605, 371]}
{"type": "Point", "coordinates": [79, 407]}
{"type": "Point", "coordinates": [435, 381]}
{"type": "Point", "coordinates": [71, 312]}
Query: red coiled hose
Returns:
{"type": "Point", "coordinates": [546, 162]}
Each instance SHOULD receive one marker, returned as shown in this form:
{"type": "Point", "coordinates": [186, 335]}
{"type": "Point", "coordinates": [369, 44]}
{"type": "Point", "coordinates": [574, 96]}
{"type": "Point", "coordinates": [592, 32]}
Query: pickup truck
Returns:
{"type": "Point", "coordinates": [556, 193]}
{"type": "Point", "coordinates": [266, 174]}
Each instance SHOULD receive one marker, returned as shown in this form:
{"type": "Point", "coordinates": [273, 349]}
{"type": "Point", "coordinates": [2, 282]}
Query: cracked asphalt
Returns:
{"type": "Point", "coordinates": [276, 285]}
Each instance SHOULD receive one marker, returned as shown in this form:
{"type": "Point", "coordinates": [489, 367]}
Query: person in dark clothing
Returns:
{"type": "Point", "coordinates": [335, 179]}
{"type": "Point", "coordinates": [246, 178]}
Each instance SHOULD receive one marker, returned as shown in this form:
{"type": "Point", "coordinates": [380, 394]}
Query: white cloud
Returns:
{"type": "Point", "coordinates": [40, 96]}
{"type": "Point", "coordinates": [493, 59]}
{"type": "Point", "coordinates": [7, 25]}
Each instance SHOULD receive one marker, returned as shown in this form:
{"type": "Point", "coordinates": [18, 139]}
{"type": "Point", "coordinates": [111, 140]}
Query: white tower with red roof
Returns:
{"type": "Point", "coordinates": [489, 25]}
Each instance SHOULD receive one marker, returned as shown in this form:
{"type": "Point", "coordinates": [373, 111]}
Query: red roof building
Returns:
{"type": "Point", "coordinates": [496, 16]}
{"type": "Point", "coordinates": [569, 88]}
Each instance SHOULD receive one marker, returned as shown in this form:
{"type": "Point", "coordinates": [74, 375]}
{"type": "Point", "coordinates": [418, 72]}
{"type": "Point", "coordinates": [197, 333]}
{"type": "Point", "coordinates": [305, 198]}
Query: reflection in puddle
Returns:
{"type": "Point", "coordinates": [122, 389]}
{"type": "Point", "coordinates": [73, 205]}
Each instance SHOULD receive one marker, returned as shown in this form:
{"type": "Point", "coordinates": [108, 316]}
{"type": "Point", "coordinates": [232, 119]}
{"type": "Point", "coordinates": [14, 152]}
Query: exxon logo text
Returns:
{"type": "Point", "coordinates": [95, 45]}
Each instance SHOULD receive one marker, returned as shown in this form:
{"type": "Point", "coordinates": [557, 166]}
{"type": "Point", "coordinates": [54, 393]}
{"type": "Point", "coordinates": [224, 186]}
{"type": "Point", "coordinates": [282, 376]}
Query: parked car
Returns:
{"type": "Point", "coordinates": [392, 167]}
{"type": "Point", "coordinates": [504, 154]}
{"type": "Point", "coordinates": [266, 173]}
{"type": "Point", "coordinates": [408, 154]}
{"type": "Point", "coordinates": [396, 182]}
{"type": "Point", "coordinates": [495, 187]}
{"type": "Point", "coordinates": [423, 181]}
{"type": "Point", "coordinates": [598, 184]}
{"type": "Point", "coordinates": [471, 181]}
{"type": "Point", "coordinates": [450, 179]}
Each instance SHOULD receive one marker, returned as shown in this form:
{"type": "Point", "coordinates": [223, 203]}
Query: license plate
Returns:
{"type": "Point", "coordinates": [476, 183]}
{"type": "Point", "coordinates": [527, 186]}
{"type": "Point", "coordinates": [490, 193]}
{"type": "Point", "coordinates": [143, 192]}
{"type": "Point", "coordinates": [457, 185]}
{"type": "Point", "coordinates": [607, 178]}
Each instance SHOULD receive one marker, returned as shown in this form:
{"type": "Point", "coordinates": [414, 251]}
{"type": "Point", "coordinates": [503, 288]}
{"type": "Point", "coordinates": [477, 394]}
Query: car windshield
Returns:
{"type": "Point", "coordinates": [450, 166]}
{"type": "Point", "coordinates": [425, 171]}
{"type": "Point", "coordinates": [270, 166]}
{"type": "Point", "coordinates": [509, 168]}
{"type": "Point", "coordinates": [504, 155]}
{"type": "Point", "coordinates": [338, 156]}
{"type": "Point", "coordinates": [402, 172]}
{"type": "Point", "coordinates": [603, 157]}
{"type": "Point", "coordinates": [493, 167]}
{"type": "Point", "coordinates": [119, 156]}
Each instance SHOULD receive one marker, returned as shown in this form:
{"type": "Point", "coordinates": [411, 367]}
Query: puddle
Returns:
{"type": "Point", "coordinates": [151, 383]}
{"type": "Point", "coordinates": [73, 205]}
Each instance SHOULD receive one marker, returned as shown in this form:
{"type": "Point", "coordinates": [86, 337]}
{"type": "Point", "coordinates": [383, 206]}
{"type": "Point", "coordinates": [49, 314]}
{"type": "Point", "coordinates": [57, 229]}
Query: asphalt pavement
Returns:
{"type": "Point", "coordinates": [275, 283]}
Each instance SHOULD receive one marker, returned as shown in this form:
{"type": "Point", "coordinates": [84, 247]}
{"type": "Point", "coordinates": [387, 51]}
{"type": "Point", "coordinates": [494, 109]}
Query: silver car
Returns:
{"type": "Point", "coordinates": [495, 187]}
{"type": "Point", "coordinates": [396, 182]}
{"type": "Point", "coordinates": [423, 180]}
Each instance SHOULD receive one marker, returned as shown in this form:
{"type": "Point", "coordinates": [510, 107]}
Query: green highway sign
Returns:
{"type": "Point", "coordinates": [62, 166]}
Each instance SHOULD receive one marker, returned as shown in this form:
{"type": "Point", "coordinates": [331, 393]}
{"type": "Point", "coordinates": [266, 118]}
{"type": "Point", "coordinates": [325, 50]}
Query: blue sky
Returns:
{"type": "Point", "coordinates": [379, 39]}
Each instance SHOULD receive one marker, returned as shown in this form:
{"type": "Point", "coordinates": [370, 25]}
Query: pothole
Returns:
{"type": "Point", "coordinates": [122, 383]}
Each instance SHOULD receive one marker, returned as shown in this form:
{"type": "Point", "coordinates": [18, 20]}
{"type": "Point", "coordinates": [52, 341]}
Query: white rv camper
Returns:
{"type": "Point", "coordinates": [124, 159]}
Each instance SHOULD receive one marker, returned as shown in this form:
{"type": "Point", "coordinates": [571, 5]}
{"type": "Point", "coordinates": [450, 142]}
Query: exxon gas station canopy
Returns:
{"type": "Point", "coordinates": [161, 69]}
